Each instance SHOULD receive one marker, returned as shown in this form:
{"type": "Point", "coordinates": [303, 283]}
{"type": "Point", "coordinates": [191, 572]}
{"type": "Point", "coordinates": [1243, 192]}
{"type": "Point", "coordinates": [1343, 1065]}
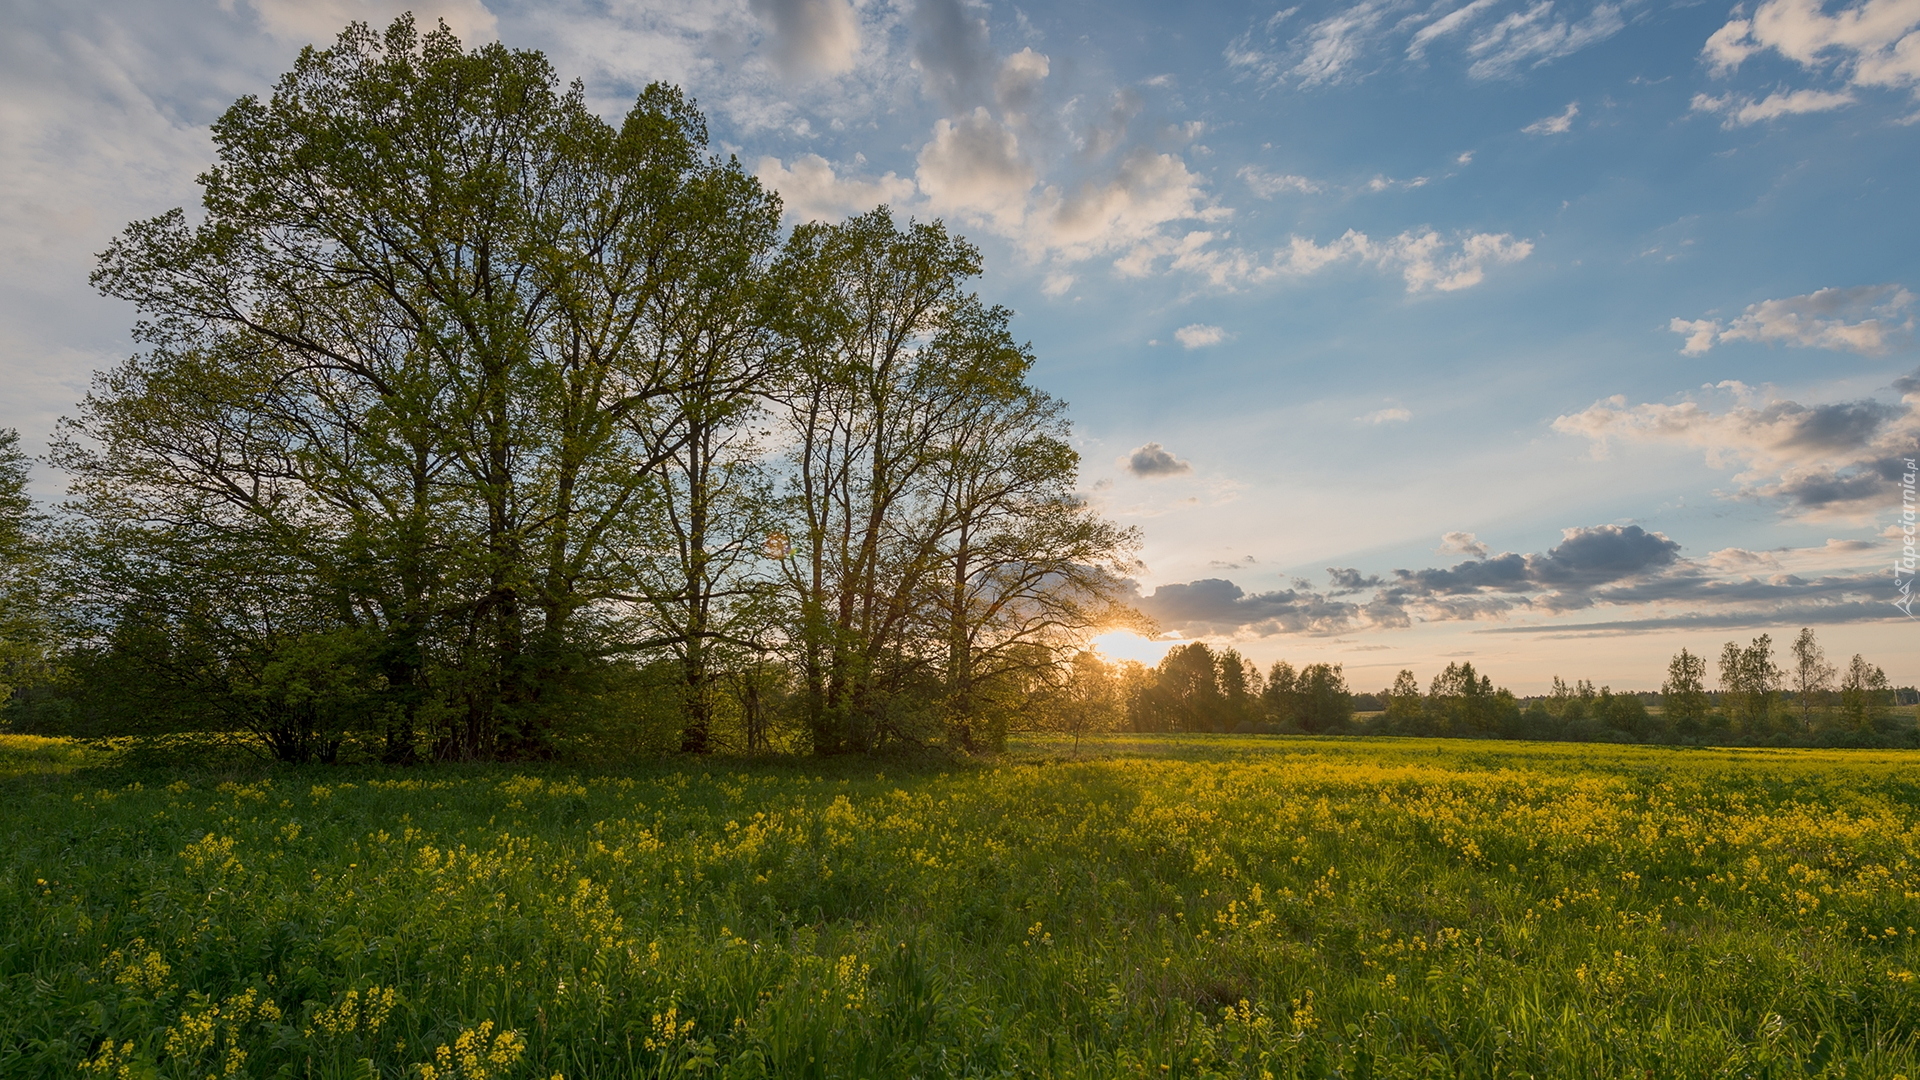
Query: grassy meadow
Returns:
{"type": "Point", "coordinates": [1150, 906]}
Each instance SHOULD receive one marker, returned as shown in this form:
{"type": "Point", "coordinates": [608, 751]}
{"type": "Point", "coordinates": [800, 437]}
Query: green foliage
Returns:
{"type": "Point", "coordinates": [26, 634]}
{"type": "Point", "coordinates": [1187, 907]}
{"type": "Point", "coordinates": [1750, 686]}
{"type": "Point", "coordinates": [1684, 695]}
{"type": "Point", "coordinates": [940, 559]}
{"type": "Point", "coordinates": [462, 405]}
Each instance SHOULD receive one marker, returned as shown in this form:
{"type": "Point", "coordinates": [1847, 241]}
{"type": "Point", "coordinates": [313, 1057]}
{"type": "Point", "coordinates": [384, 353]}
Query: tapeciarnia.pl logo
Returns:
{"type": "Point", "coordinates": [1903, 567]}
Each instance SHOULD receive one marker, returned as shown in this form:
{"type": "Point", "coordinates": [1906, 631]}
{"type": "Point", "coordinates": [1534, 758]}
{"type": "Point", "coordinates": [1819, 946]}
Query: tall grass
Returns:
{"type": "Point", "coordinates": [1209, 906]}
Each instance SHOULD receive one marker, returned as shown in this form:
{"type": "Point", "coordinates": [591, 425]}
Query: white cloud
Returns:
{"type": "Point", "coordinates": [1335, 43]}
{"type": "Point", "coordinates": [1424, 259]}
{"type": "Point", "coordinates": [1057, 283]}
{"type": "Point", "coordinates": [973, 168]}
{"type": "Point", "coordinates": [811, 191]}
{"type": "Point", "coordinates": [1872, 43]}
{"type": "Point", "coordinates": [1394, 415]}
{"type": "Point", "coordinates": [1558, 124]}
{"type": "Point", "coordinates": [1200, 335]}
{"type": "Point", "coordinates": [1820, 461]}
{"type": "Point", "coordinates": [1865, 319]}
{"type": "Point", "coordinates": [1354, 42]}
{"type": "Point", "coordinates": [1742, 111]}
{"type": "Point", "coordinates": [1462, 543]}
{"type": "Point", "coordinates": [1387, 183]}
{"type": "Point", "coordinates": [811, 37]}
{"type": "Point", "coordinates": [1266, 185]}
{"type": "Point", "coordinates": [1444, 25]}
{"type": "Point", "coordinates": [1144, 193]}
{"type": "Point", "coordinates": [1535, 37]}
{"type": "Point", "coordinates": [988, 170]}
{"type": "Point", "coordinates": [1700, 334]}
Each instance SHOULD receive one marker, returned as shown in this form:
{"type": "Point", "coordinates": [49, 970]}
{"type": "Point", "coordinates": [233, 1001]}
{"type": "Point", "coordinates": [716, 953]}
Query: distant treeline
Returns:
{"type": "Point", "coordinates": [1197, 688]}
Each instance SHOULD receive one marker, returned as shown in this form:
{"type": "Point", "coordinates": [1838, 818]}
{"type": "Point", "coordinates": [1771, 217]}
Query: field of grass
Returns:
{"type": "Point", "coordinates": [1190, 907]}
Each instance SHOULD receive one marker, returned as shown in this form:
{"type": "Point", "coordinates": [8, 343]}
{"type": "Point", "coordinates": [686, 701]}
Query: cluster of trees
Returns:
{"type": "Point", "coordinates": [1759, 700]}
{"type": "Point", "coordinates": [468, 422]}
{"type": "Point", "coordinates": [1196, 688]}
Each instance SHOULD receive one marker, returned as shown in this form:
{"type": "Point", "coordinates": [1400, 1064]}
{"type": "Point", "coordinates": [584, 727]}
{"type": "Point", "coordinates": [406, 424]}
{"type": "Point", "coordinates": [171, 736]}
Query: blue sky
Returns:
{"type": "Point", "coordinates": [1551, 335]}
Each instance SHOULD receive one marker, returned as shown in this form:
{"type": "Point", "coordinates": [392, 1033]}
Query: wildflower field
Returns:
{"type": "Point", "coordinates": [1202, 906]}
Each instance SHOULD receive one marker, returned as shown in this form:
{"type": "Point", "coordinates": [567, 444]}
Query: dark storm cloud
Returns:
{"type": "Point", "coordinates": [1597, 566]}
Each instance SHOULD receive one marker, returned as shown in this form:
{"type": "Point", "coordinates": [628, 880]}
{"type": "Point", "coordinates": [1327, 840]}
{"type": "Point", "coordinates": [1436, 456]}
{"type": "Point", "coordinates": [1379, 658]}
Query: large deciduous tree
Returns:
{"type": "Point", "coordinates": [939, 557]}
{"type": "Point", "coordinates": [410, 382]}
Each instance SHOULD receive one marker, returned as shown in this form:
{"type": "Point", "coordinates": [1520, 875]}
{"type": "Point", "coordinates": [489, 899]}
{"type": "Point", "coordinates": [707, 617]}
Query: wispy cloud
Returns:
{"type": "Point", "coordinates": [1740, 112]}
{"type": "Point", "coordinates": [1537, 36]}
{"type": "Point", "coordinates": [1424, 259]}
{"type": "Point", "coordinates": [1266, 184]}
{"type": "Point", "coordinates": [1361, 38]}
{"type": "Point", "coordinates": [1200, 335]}
{"type": "Point", "coordinates": [1867, 319]}
{"type": "Point", "coordinates": [1393, 415]}
{"type": "Point", "coordinates": [1558, 124]}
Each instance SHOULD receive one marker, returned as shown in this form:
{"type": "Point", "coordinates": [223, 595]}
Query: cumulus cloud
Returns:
{"type": "Point", "coordinates": [1872, 43]}
{"type": "Point", "coordinates": [1393, 415]}
{"type": "Point", "coordinates": [1426, 261]}
{"type": "Point", "coordinates": [1147, 191]}
{"type": "Point", "coordinates": [1462, 543]}
{"type": "Point", "coordinates": [1558, 124]}
{"type": "Point", "coordinates": [1742, 111]}
{"type": "Point", "coordinates": [1200, 335]}
{"type": "Point", "coordinates": [1824, 461]}
{"type": "Point", "coordinates": [1017, 87]}
{"type": "Point", "coordinates": [1102, 196]}
{"type": "Point", "coordinates": [1626, 568]}
{"type": "Point", "coordinates": [810, 37]}
{"type": "Point", "coordinates": [812, 191]}
{"type": "Point", "coordinates": [1866, 319]}
{"type": "Point", "coordinates": [1153, 461]}
{"type": "Point", "coordinates": [973, 168]}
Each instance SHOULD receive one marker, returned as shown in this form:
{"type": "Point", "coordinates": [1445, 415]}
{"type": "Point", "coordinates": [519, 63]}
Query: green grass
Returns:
{"type": "Point", "coordinates": [1209, 906]}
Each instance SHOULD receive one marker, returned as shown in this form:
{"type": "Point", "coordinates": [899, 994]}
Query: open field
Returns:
{"type": "Point", "coordinates": [1207, 906]}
